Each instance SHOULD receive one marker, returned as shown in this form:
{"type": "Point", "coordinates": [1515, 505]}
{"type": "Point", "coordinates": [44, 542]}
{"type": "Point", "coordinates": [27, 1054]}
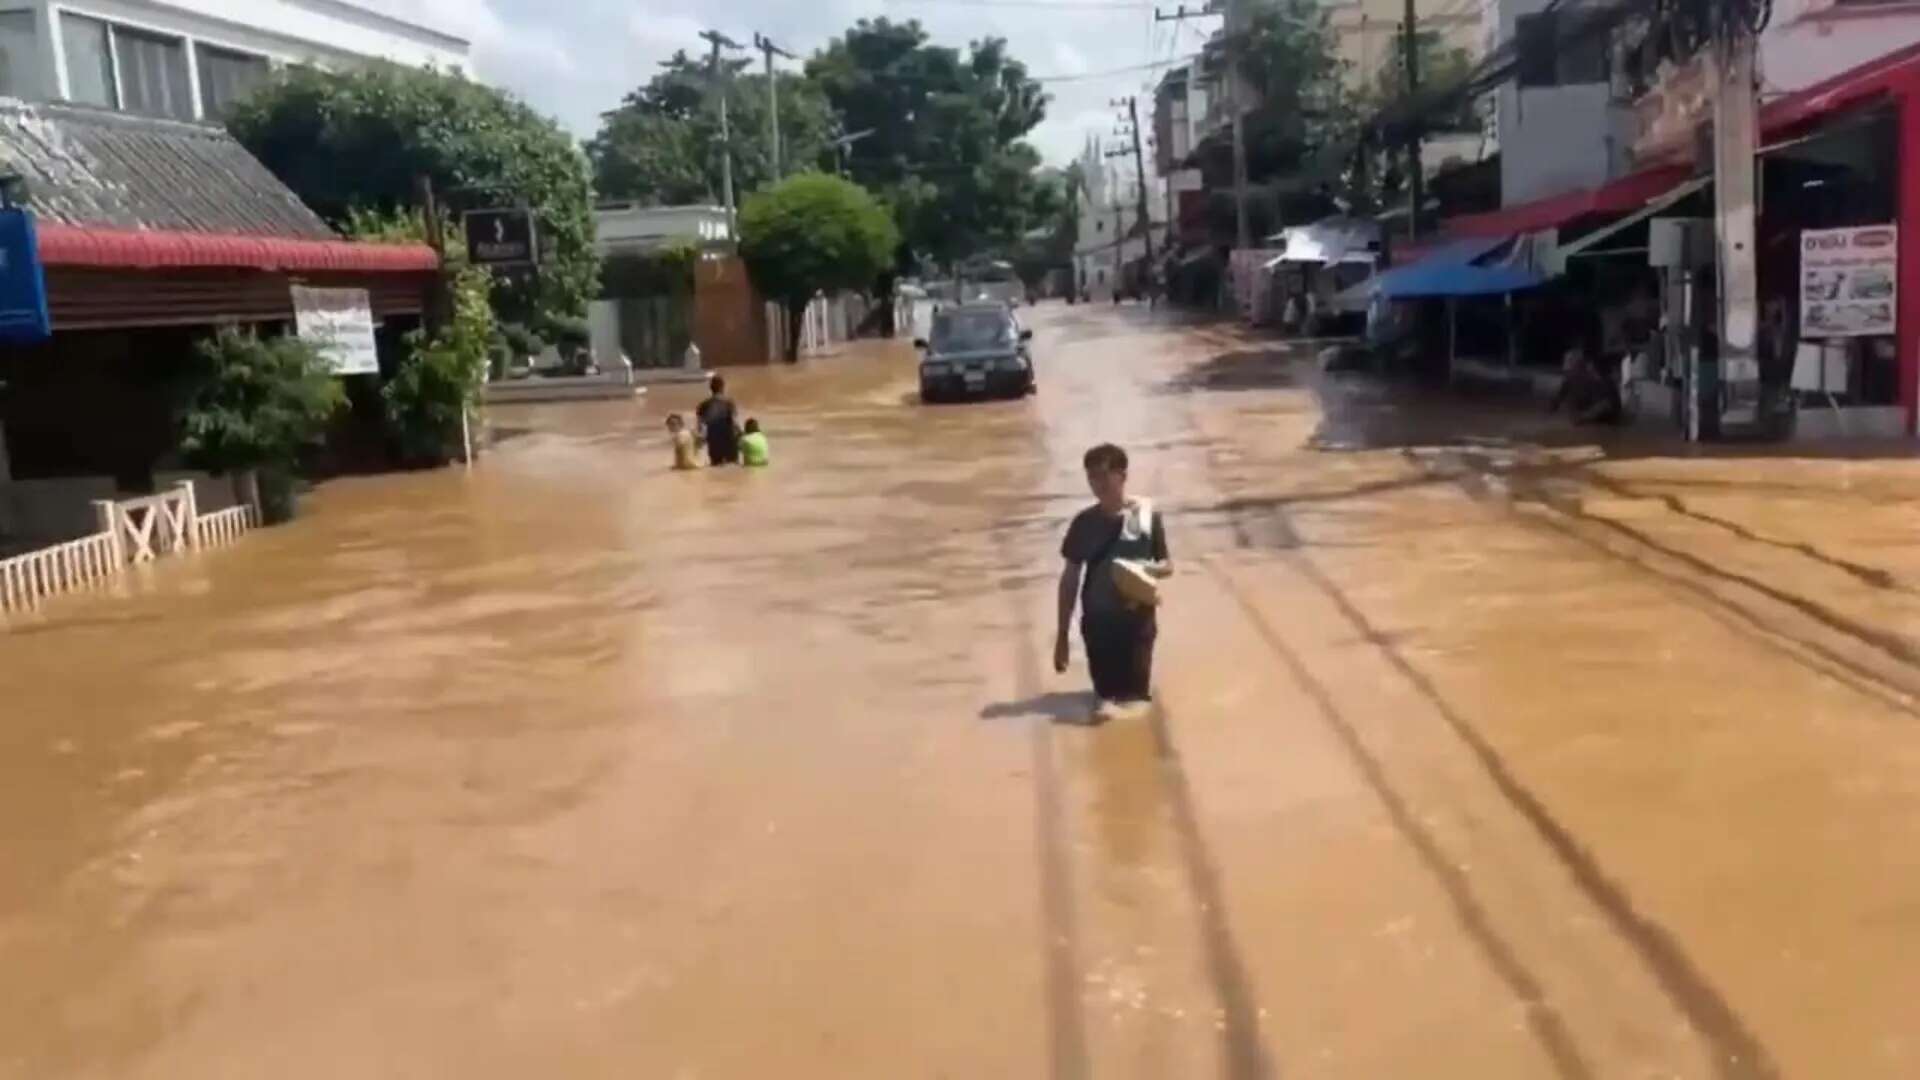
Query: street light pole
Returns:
{"type": "Point", "coordinates": [721, 41]}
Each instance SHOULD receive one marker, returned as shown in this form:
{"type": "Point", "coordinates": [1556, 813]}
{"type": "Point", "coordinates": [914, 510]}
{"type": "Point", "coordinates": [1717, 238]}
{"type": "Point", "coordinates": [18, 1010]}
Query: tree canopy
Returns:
{"type": "Point", "coordinates": [662, 145]}
{"type": "Point", "coordinates": [810, 233]}
{"type": "Point", "coordinates": [946, 153]}
{"type": "Point", "coordinates": [360, 138]}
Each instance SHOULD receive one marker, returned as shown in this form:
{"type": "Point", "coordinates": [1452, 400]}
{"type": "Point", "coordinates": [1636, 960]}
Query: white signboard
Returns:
{"type": "Point", "coordinates": [341, 321]}
{"type": "Point", "coordinates": [1848, 286]}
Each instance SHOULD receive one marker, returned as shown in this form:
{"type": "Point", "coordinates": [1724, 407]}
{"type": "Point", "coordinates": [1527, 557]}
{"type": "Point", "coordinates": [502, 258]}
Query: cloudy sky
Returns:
{"type": "Point", "coordinates": [574, 59]}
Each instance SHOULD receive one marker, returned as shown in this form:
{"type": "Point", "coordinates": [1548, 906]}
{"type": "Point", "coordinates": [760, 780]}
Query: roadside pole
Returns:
{"type": "Point", "coordinates": [1140, 174]}
{"type": "Point", "coordinates": [721, 41]}
{"type": "Point", "coordinates": [440, 298]}
{"type": "Point", "coordinates": [1243, 229]}
{"type": "Point", "coordinates": [1736, 121]}
{"type": "Point", "coordinates": [770, 50]}
{"type": "Point", "coordinates": [1416, 181]}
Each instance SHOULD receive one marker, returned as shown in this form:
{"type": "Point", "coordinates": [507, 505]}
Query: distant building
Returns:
{"type": "Point", "coordinates": [191, 59]}
{"type": "Point", "coordinates": [1112, 238]}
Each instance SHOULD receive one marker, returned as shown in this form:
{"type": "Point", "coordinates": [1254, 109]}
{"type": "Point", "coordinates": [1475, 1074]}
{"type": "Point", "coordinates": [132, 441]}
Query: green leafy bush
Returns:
{"type": "Point", "coordinates": [813, 233]}
{"type": "Point", "coordinates": [440, 377]}
{"type": "Point", "coordinates": [255, 404]}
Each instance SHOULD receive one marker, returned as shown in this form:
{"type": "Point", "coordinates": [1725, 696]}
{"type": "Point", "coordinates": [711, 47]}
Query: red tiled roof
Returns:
{"type": "Point", "coordinates": [127, 249]}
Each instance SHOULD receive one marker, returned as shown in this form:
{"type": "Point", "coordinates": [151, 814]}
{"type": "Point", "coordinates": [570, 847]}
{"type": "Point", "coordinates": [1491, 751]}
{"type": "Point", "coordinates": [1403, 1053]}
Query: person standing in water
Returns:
{"type": "Point", "coordinates": [720, 424]}
{"type": "Point", "coordinates": [683, 448]}
{"type": "Point", "coordinates": [1118, 632]}
{"type": "Point", "coordinates": [754, 451]}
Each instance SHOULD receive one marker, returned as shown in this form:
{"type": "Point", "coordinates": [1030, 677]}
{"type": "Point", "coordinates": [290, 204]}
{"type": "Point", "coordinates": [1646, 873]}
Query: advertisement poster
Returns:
{"type": "Point", "coordinates": [341, 320]}
{"type": "Point", "coordinates": [1847, 281]}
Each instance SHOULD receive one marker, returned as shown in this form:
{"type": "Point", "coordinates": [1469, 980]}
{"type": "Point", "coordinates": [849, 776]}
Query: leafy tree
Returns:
{"type": "Point", "coordinates": [1440, 66]}
{"type": "Point", "coordinates": [440, 378]}
{"type": "Point", "coordinates": [359, 139]}
{"type": "Point", "coordinates": [256, 404]}
{"type": "Point", "coordinates": [946, 154]}
{"type": "Point", "coordinates": [813, 233]}
{"type": "Point", "coordinates": [662, 145]}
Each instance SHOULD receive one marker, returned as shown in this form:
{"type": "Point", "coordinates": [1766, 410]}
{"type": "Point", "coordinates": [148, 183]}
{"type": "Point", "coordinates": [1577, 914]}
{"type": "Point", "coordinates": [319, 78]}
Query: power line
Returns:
{"type": "Point", "coordinates": [1110, 72]}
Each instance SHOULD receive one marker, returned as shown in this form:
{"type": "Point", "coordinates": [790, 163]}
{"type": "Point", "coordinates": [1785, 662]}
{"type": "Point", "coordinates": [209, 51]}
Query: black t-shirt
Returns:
{"type": "Point", "coordinates": [1094, 538]}
{"type": "Point", "coordinates": [716, 416]}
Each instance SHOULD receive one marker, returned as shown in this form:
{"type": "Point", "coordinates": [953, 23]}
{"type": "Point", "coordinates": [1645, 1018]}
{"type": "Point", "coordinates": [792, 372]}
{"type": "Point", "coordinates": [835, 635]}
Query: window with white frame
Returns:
{"type": "Point", "coordinates": [227, 78]}
{"type": "Point", "coordinates": [153, 74]}
{"type": "Point", "coordinates": [120, 67]}
{"type": "Point", "coordinates": [19, 63]}
{"type": "Point", "coordinates": [89, 52]}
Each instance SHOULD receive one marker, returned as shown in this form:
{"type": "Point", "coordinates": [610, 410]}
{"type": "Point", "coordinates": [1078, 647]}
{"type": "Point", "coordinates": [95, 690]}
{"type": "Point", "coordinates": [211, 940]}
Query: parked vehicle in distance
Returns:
{"type": "Point", "coordinates": [975, 350]}
{"type": "Point", "coordinates": [990, 281]}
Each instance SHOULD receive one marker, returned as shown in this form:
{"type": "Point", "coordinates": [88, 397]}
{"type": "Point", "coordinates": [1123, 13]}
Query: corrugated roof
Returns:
{"type": "Point", "coordinates": [92, 167]}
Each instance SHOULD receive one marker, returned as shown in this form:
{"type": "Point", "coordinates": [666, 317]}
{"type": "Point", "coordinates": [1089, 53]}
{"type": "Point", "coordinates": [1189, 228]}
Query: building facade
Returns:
{"type": "Point", "coordinates": [192, 59]}
{"type": "Point", "coordinates": [1112, 238]}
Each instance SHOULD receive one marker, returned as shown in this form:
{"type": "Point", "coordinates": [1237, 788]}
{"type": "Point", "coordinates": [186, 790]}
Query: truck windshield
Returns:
{"type": "Point", "coordinates": [965, 331]}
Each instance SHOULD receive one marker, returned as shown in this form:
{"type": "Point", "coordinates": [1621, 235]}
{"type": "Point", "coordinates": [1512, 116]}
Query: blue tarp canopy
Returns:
{"type": "Point", "coordinates": [1453, 271]}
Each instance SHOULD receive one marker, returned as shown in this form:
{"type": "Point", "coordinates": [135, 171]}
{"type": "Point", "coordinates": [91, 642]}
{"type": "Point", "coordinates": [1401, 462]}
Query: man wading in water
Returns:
{"type": "Point", "coordinates": [720, 424]}
{"type": "Point", "coordinates": [1116, 625]}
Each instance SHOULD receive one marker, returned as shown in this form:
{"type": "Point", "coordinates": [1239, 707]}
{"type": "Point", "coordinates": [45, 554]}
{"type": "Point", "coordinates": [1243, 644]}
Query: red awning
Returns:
{"type": "Point", "coordinates": [125, 249]}
{"type": "Point", "coordinates": [1628, 193]}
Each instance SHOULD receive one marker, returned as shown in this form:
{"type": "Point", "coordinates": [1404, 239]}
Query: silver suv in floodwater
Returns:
{"type": "Point", "coordinates": [975, 350]}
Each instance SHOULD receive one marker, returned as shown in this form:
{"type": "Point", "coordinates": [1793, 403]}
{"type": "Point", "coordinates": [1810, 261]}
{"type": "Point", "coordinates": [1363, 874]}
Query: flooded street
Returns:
{"type": "Point", "coordinates": [1481, 752]}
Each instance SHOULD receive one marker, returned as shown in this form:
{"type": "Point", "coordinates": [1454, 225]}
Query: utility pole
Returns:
{"type": "Point", "coordinates": [1119, 224]}
{"type": "Point", "coordinates": [721, 41]}
{"type": "Point", "coordinates": [1234, 33]}
{"type": "Point", "coordinates": [1416, 182]}
{"type": "Point", "coordinates": [1140, 175]}
{"type": "Point", "coordinates": [770, 50]}
{"type": "Point", "coordinates": [1731, 391]}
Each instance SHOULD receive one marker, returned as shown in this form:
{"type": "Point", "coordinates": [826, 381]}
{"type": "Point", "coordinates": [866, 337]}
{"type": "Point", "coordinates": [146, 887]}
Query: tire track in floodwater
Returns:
{"type": "Point", "coordinates": [1243, 1051]}
{"type": "Point", "coordinates": [1066, 1024]}
{"type": "Point", "coordinates": [1812, 655]}
{"type": "Point", "coordinates": [1737, 1052]}
{"type": "Point", "coordinates": [1548, 1027]}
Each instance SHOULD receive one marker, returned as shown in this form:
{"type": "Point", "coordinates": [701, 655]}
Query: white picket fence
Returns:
{"type": "Point", "coordinates": [132, 531]}
{"type": "Point", "coordinates": [225, 526]}
{"type": "Point", "coordinates": [26, 580]}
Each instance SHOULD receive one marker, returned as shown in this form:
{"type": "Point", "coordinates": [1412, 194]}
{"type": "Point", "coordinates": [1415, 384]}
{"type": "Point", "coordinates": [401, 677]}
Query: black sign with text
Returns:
{"type": "Point", "coordinates": [502, 238]}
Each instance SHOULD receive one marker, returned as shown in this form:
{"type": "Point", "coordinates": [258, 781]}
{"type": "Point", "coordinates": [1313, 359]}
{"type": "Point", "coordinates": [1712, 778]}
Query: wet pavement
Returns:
{"type": "Point", "coordinates": [1481, 751]}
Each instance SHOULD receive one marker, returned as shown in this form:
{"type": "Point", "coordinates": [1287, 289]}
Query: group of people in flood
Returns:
{"type": "Point", "coordinates": [717, 426]}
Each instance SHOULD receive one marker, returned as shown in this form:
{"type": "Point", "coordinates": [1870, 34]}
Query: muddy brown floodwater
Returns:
{"type": "Point", "coordinates": [1481, 752]}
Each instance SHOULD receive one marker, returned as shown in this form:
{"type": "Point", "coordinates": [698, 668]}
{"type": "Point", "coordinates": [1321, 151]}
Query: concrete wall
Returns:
{"type": "Point", "coordinates": [324, 33]}
{"type": "Point", "coordinates": [1811, 40]}
{"type": "Point", "coordinates": [1555, 139]}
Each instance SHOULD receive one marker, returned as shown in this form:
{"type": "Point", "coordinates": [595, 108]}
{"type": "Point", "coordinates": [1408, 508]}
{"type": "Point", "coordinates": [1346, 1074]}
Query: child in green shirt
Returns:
{"type": "Point", "coordinates": [754, 452]}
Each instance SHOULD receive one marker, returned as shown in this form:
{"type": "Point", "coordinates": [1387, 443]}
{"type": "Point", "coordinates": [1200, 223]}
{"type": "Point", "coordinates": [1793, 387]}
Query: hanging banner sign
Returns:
{"type": "Point", "coordinates": [341, 321]}
{"type": "Point", "coordinates": [1848, 281]}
